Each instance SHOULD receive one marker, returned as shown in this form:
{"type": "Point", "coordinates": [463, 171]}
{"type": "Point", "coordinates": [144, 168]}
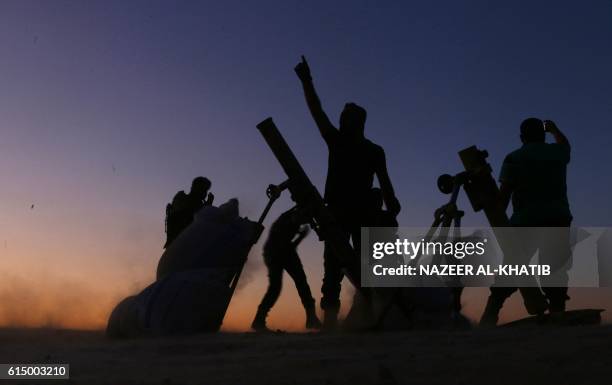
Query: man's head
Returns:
{"type": "Point", "coordinates": [352, 120]}
{"type": "Point", "coordinates": [532, 131]}
{"type": "Point", "coordinates": [199, 187]}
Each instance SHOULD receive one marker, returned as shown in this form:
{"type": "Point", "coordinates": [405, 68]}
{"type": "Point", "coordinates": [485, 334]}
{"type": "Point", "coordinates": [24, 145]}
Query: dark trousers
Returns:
{"type": "Point", "coordinates": [553, 246]}
{"type": "Point", "coordinates": [332, 274]}
{"type": "Point", "coordinates": [289, 262]}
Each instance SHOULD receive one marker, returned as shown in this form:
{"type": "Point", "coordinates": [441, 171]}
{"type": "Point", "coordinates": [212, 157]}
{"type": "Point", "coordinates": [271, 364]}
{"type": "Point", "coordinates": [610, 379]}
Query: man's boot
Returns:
{"type": "Point", "coordinates": [312, 321]}
{"type": "Point", "coordinates": [557, 298]}
{"type": "Point", "coordinates": [330, 320]}
{"type": "Point", "coordinates": [557, 306]}
{"type": "Point", "coordinates": [535, 302]}
{"type": "Point", "coordinates": [490, 316]}
{"type": "Point", "coordinates": [259, 323]}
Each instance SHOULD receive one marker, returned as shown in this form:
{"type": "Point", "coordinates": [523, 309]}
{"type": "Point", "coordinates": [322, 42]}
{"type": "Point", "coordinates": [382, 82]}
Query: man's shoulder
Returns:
{"type": "Point", "coordinates": [179, 198]}
{"type": "Point", "coordinates": [373, 147]}
{"type": "Point", "coordinates": [370, 143]}
{"type": "Point", "coordinates": [180, 194]}
{"type": "Point", "coordinates": [561, 149]}
{"type": "Point", "coordinates": [527, 150]}
{"type": "Point", "coordinates": [534, 151]}
{"type": "Point", "coordinates": [515, 155]}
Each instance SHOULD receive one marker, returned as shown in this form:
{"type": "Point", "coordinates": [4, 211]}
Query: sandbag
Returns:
{"type": "Point", "coordinates": [181, 303]}
{"type": "Point", "coordinates": [123, 321]}
{"type": "Point", "coordinates": [217, 238]}
{"type": "Point", "coordinates": [197, 275]}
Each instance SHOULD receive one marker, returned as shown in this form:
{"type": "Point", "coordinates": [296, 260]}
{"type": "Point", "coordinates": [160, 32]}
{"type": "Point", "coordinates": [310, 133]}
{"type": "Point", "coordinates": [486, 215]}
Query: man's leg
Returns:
{"type": "Point", "coordinates": [332, 278]}
{"type": "Point", "coordinates": [294, 268]}
{"type": "Point", "coordinates": [275, 278]}
{"type": "Point", "coordinates": [557, 296]}
{"type": "Point", "coordinates": [533, 298]}
{"type": "Point", "coordinates": [496, 300]}
{"type": "Point", "coordinates": [503, 287]}
{"type": "Point", "coordinates": [556, 252]}
{"type": "Point", "coordinates": [333, 268]}
{"type": "Point", "coordinates": [361, 315]}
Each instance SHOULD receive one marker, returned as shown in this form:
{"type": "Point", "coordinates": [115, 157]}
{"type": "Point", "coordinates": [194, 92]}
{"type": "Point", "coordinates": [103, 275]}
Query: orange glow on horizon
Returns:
{"type": "Point", "coordinates": [46, 281]}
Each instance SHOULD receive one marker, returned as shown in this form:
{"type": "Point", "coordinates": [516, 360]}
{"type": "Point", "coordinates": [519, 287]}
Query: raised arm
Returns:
{"type": "Point", "coordinates": [326, 128]}
{"type": "Point", "coordinates": [550, 126]}
{"type": "Point", "coordinates": [210, 198]}
{"type": "Point", "coordinates": [386, 186]}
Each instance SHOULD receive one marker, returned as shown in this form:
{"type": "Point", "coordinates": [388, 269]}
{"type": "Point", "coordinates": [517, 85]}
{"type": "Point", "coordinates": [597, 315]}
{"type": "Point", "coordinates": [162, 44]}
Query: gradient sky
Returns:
{"type": "Point", "coordinates": [107, 108]}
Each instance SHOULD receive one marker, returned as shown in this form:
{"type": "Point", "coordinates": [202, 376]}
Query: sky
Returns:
{"type": "Point", "coordinates": [107, 108]}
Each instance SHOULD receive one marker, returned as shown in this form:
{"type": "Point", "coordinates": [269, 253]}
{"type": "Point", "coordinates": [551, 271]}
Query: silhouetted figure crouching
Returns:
{"type": "Point", "coordinates": [280, 254]}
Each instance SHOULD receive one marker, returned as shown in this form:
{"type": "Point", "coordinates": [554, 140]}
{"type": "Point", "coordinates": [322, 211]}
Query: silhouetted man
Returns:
{"type": "Point", "coordinates": [534, 178]}
{"type": "Point", "coordinates": [280, 254]}
{"type": "Point", "coordinates": [353, 161]}
{"type": "Point", "coordinates": [180, 213]}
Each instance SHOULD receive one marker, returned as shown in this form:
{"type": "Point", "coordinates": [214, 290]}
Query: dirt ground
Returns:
{"type": "Point", "coordinates": [532, 355]}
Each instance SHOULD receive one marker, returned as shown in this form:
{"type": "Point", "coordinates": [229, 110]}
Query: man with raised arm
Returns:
{"type": "Point", "coordinates": [534, 178]}
{"type": "Point", "coordinates": [352, 164]}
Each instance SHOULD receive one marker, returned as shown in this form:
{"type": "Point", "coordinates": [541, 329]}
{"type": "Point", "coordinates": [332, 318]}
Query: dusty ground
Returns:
{"type": "Point", "coordinates": [570, 355]}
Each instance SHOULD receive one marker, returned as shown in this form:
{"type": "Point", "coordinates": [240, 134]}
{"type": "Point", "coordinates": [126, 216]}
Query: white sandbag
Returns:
{"type": "Point", "coordinates": [216, 238]}
{"type": "Point", "coordinates": [123, 321]}
{"type": "Point", "coordinates": [196, 278]}
{"type": "Point", "coordinates": [189, 302]}
{"type": "Point", "coordinates": [181, 303]}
